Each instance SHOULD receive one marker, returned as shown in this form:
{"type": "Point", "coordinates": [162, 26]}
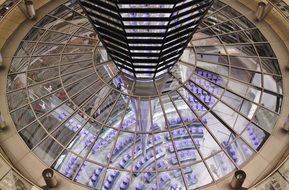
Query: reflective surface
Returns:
{"type": "Point", "coordinates": [74, 110]}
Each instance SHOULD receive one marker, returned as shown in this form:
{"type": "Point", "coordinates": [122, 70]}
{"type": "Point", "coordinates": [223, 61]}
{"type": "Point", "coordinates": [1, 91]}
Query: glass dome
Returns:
{"type": "Point", "coordinates": [211, 115]}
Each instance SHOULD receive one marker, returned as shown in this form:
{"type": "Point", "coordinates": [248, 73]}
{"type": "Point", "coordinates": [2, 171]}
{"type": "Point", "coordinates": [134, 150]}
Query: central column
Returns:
{"type": "Point", "coordinates": [142, 109]}
{"type": "Point", "coordinates": [144, 100]}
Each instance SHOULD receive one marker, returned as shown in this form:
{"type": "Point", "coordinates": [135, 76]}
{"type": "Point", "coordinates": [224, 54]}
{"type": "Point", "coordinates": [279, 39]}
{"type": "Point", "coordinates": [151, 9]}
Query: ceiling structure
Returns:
{"type": "Point", "coordinates": [145, 38]}
{"type": "Point", "coordinates": [77, 113]}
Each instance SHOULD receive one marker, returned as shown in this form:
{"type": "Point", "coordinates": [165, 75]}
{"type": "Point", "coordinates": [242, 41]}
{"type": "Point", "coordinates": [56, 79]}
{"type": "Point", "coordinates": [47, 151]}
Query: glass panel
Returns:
{"type": "Point", "coordinates": [33, 134]}
{"type": "Point", "coordinates": [16, 81]}
{"type": "Point", "coordinates": [90, 174]}
{"type": "Point", "coordinates": [197, 175]}
{"type": "Point", "coordinates": [240, 124]}
{"type": "Point", "coordinates": [247, 63]}
{"type": "Point", "coordinates": [270, 66]}
{"type": "Point", "coordinates": [47, 49]}
{"type": "Point", "coordinates": [46, 22]}
{"type": "Point", "coordinates": [207, 143]}
{"type": "Point", "coordinates": [64, 133]}
{"type": "Point", "coordinates": [254, 136]}
{"type": "Point", "coordinates": [255, 35]}
{"type": "Point", "coordinates": [238, 87]}
{"type": "Point", "coordinates": [271, 101]}
{"type": "Point", "coordinates": [34, 34]}
{"type": "Point", "coordinates": [219, 130]}
{"type": "Point", "coordinates": [273, 83]}
{"type": "Point", "coordinates": [248, 109]}
{"type": "Point", "coordinates": [85, 139]}
{"type": "Point", "coordinates": [48, 150]}
{"type": "Point", "coordinates": [38, 62]}
{"type": "Point", "coordinates": [102, 145]}
{"type": "Point", "coordinates": [220, 165]}
{"type": "Point", "coordinates": [44, 74]}
{"type": "Point", "coordinates": [243, 22]}
{"type": "Point", "coordinates": [241, 50]}
{"type": "Point", "coordinates": [225, 113]}
{"type": "Point", "coordinates": [55, 37]}
{"type": "Point", "coordinates": [238, 151]}
{"type": "Point", "coordinates": [22, 117]}
{"type": "Point", "coordinates": [17, 99]}
{"type": "Point", "coordinates": [232, 100]}
{"type": "Point", "coordinates": [264, 50]}
{"type": "Point", "coordinates": [67, 164]}
{"type": "Point", "coordinates": [265, 119]}
{"type": "Point", "coordinates": [220, 70]}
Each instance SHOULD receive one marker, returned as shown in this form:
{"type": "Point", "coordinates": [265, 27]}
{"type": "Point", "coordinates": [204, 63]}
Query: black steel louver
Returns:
{"type": "Point", "coordinates": [145, 38]}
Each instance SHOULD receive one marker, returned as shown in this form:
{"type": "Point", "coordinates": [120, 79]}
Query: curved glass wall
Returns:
{"type": "Point", "coordinates": [72, 108]}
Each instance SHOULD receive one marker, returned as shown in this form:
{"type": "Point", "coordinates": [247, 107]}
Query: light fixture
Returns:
{"type": "Point", "coordinates": [30, 9]}
{"type": "Point", "coordinates": [238, 179]}
{"type": "Point", "coordinates": [49, 178]}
